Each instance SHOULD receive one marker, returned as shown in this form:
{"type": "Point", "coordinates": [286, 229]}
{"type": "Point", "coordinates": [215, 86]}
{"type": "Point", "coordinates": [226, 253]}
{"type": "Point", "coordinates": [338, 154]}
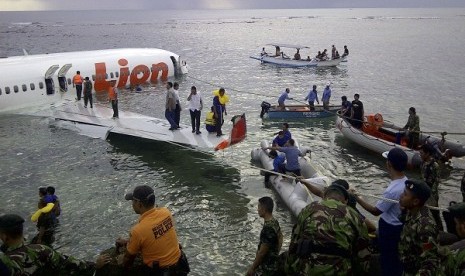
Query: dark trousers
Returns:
{"type": "Point", "coordinates": [388, 241]}
{"type": "Point", "coordinates": [78, 91]}
{"type": "Point", "coordinates": [177, 114]}
{"type": "Point", "coordinates": [195, 120]}
{"type": "Point", "coordinates": [88, 98]}
{"type": "Point", "coordinates": [169, 115]}
{"type": "Point", "coordinates": [114, 105]}
{"type": "Point", "coordinates": [312, 106]}
{"type": "Point", "coordinates": [219, 123]}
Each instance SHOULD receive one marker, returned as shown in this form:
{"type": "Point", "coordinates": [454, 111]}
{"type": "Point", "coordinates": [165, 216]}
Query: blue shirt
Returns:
{"type": "Point", "coordinates": [217, 104]}
{"type": "Point", "coordinates": [326, 94]}
{"type": "Point", "coordinates": [292, 157]}
{"type": "Point", "coordinates": [284, 96]}
{"type": "Point", "coordinates": [312, 96]}
{"type": "Point", "coordinates": [391, 211]}
{"type": "Point", "coordinates": [278, 161]}
{"type": "Point", "coordinates": [287, 135]}
{"type": "Point", "coordinates": [280, 141]}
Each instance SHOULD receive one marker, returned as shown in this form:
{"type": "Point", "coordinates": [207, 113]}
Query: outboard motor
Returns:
{"type": "Point", "coordinates": [265, 107]}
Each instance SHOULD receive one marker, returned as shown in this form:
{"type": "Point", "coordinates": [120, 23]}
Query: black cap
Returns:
{"type": "Point", "coordinates": [338, 188]}
{"type": "Point", "coordinates": [140, 193]}
{"type": "Point", "coordinates": [419, 189]}
{"type": "Point", "coordinates": [398, 159]}
{"type": "Point", "coordinates": [458, 210]}
{"type": "Point", "coordinates": [10, 221]}
{"type": "Point", "coordinates": [341, 182]}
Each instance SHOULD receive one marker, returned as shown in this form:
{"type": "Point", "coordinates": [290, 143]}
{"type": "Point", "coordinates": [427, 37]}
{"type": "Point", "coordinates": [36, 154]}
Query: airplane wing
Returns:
{"type": "Point", "coordinates": [97, 122]}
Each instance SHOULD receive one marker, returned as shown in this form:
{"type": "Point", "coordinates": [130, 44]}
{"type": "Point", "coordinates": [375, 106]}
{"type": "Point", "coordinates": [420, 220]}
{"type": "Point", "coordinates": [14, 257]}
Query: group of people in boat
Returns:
{"type": "Point", "coordinates": [332, 236]}
{"type": "Point", "coordinates": [311, 97]}
{"type": "Point", "coordinates": [321, 56]}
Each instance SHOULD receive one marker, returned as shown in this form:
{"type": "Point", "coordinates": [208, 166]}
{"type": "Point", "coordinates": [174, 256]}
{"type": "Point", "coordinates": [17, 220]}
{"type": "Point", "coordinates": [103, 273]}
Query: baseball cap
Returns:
{"type": "Point", "coordinates": [457, 210]}
{"type": "Point", "coordinates": [419, 189]}
{"type": "Point", "coordinates": [10, 221]}
{"type": "Point", "coordinates": [397, 157]}
{"type": "Point", "coordinates": [140, 193]}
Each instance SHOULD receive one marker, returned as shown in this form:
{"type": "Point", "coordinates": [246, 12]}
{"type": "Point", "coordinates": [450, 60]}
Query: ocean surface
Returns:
{"type": "Point", "coordinates": [398, 58]}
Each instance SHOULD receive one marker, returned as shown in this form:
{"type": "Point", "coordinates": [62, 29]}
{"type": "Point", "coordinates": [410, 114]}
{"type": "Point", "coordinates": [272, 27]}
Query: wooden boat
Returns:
{"type": "Point", "coordinates": [381, 136]}
{"type": "Point", "coordinates": [296, 111]}
{"type": "Point", "coordinates": [295, 195]}
{"type": "Point", "coordinates": [285, 61]}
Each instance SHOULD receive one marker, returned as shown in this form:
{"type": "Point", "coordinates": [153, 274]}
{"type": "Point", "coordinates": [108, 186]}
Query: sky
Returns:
{"type": "Point", "coordinates": [27, 5]}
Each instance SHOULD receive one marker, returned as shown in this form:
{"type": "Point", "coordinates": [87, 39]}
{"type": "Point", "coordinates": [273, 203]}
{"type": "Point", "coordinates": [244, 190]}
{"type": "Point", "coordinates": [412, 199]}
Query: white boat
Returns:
{"type": "Point", "coordinates": [288, 61]}
{"type": "Point", "coordinates": [380, 136]}
{"type": "Point", "coordinates": [295, 195]}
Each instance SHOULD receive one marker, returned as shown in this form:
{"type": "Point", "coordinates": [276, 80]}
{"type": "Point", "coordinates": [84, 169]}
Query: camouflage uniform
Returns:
{"type": "Point", "coordinates": [7, 266]}
{"type": "Point", "coordinates": [36, 259]}
{"type": "Point", "coordinates": [329, 238]}
{"type": "Point", "coordinates": [452, 261]}
{"type": "Point", "coordinates": [418, 249]}
{"type": "Point", "coordinates": [270, 235]}
{"type": "Point", "coordinates": [430, 174]}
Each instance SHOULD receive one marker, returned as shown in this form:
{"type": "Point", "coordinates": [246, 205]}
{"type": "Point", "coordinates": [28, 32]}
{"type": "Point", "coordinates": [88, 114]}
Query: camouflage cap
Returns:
{"type": "Point", "coordinates": [418, 188]}
{"type": "Point", "coordinates": [338, 188]}
{"type": "Point", "coordinates": [10, 221]}
{"type": "Point", "coordinates": [458, 210]}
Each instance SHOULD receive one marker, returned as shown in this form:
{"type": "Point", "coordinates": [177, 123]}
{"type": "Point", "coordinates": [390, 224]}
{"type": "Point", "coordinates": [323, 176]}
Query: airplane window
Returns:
{"type": "Point", "coordinates": [41, 85]}
{"type": "Point", "coordinates": [111, 74]}
{"type": "Point", "coordinates": [116, 74]}
{"type": "Point", "coordinates": [7, 90]}
{"type": "Point", "coordinates": [33, 86]}
{"type": "Point", "coordinates": [24, 87]}
{"type": "Point", "coordinates": [15, 88]}
{"type": "Point", "coordinates": [93, 77]}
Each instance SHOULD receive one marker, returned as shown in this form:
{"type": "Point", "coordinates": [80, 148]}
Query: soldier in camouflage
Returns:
{"type": "Point", "coordinates": [453, 256]}
{"type": "Point", "coordinates": [430, 174]}
{"type": "Point", "coordinates": [418, 249]}
{"type": "Point", "coordinates": [329, 238]}
{"type": "Point", "coordinates": [271, 239]}
{"type": "Point", "coordinates": [36, 259]}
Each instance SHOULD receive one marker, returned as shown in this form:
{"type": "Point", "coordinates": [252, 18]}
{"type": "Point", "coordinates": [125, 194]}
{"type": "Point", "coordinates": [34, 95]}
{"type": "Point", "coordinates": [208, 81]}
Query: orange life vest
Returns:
{"type": "Point", "coordinates": [77, 79]}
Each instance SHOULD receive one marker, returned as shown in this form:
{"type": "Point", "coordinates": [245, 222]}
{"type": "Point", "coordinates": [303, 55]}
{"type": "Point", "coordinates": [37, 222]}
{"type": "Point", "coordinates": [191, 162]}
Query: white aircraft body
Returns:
{"type": "Point", "coordinates": [41, 85]}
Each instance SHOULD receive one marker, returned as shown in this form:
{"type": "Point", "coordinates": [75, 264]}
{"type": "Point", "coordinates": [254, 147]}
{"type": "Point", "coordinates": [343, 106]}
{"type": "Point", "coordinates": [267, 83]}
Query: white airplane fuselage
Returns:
{"type": "Point", "coordinates": [34, 80]}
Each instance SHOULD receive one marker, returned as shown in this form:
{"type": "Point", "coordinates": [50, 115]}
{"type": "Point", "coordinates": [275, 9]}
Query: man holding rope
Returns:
{"type": "Point", "coordinates": [389, 226]}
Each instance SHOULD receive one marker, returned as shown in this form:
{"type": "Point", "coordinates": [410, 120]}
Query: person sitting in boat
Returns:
{"type": "Point", "coordinates": [280, 140]}
{"type": "Point", "coordinates": [278, 160]}
{"type": "Point", "coordinates": [286, 131]}
{"type": "Point", "coordinates": [284, 56]}
{"type": "Point", "coordinates": [345, 107]}
{"type": "Point", "coordinates": [312, 97]}
{"type": "Point", "coordinates": [297, 55]}
{"type": "Point", "coordinates": [263, 53]}
{"type": "Point", "coordinates": [284, 96]}
{"type": "Point", "coordinates": [318, 56]}
{"type": "Point", "coordinates": [324, 54]}
{"type": "Point", "coordinates": [278, 51]}
{"type": "Point", "coordinates": [413, 127]}
{"type": "Point", "coordinates": [210, 121]}
{"type": "Point", "coordinates": [346, 51]}
{"type": "Point", "coordinates": [308, 58]}
{"type": "Point", "coordinates": [292, 157]}
{"type": "Point", "coordinates": [337, 55]}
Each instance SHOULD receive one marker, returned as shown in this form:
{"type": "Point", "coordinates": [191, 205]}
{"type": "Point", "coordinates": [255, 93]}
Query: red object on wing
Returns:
{"type": "Point", "coordinates": [238, 132]}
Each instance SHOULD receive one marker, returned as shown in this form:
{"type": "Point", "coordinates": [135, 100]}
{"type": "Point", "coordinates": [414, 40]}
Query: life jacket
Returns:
{"type": "Point", "coordinates": [209, 120]}
{"type": "Point", "coordinates": [77, 79]}
{"type": "Point", "coordinates": [223, 99]}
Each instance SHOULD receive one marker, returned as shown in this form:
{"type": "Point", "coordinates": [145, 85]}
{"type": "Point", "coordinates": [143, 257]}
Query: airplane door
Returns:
{"type": "Point", "coordinates": [62, 77]}
{"type": "Point", "coordinates": [48, 79]}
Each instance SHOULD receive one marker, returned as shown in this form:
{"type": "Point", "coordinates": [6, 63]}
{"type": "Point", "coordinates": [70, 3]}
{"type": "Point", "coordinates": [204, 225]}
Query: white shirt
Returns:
{"type": "Point", "coordinates": [194, 103]}
{"type": "Point", "coordinates": [391, 211]}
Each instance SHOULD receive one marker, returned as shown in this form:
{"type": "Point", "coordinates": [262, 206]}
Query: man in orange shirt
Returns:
{"type": "Point", "coordinates": [77, 82]}
{"type": "Point", "coordinates": [113, 98]}
{"type": "Point", "coordinates": [154, 237]}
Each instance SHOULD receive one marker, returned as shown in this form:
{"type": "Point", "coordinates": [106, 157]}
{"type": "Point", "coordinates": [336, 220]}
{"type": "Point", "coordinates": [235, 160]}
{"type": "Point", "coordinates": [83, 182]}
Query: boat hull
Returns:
{"type": "Point", "coordinates": [299, 112]}
{"type": "Point", "coordinates": [295, 195]}
{"type": "Point", "coordinates": [284, 62]}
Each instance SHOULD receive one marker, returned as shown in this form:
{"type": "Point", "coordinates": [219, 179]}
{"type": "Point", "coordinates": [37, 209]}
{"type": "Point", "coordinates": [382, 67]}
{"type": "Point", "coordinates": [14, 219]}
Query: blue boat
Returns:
{"type": "Point", "coordinates": [297, 112]}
